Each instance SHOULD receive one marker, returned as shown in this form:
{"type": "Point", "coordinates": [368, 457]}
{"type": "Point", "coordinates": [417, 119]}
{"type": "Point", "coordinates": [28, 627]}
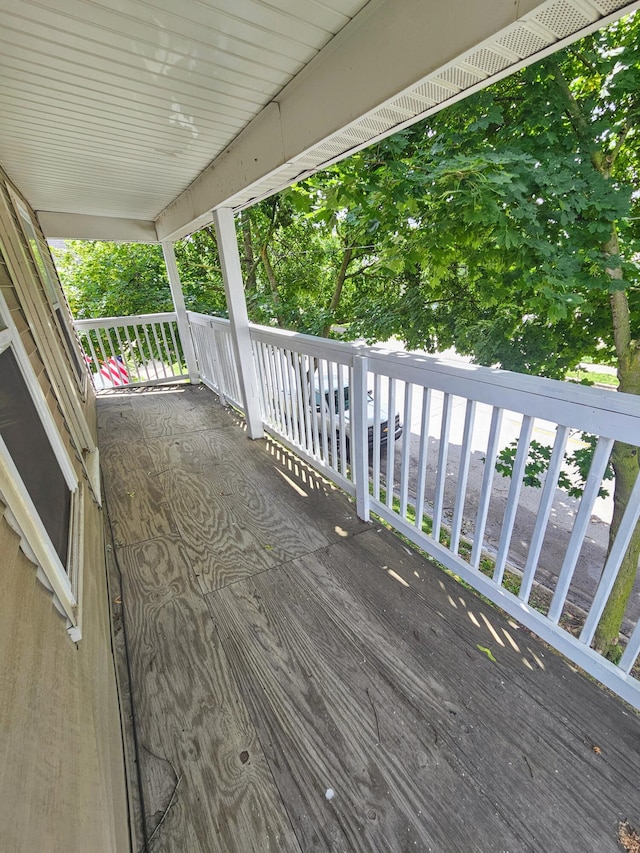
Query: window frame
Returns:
{"type": "Point", "coordinates": [53, 292]}
{"type": "Point", "coordinates": [65, 582]}
{"type": "Point", "coordinates": [24, 273]}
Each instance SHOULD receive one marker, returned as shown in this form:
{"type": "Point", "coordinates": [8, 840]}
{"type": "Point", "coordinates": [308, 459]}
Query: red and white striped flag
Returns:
{"type": "Point", "coordinates": [115, 371]}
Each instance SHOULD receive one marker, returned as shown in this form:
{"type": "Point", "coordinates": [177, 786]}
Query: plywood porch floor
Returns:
{"type": "Point", "coordinates": [301, 681]}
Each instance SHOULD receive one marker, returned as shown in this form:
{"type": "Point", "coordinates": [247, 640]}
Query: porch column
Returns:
{"type": "Point", "coordinates": [236, 303]}
{"type": "Point", "coordinates": [181, 312]}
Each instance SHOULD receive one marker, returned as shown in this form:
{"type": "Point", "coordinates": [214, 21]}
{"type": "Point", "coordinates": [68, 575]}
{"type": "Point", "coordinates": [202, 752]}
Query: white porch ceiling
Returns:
{"type": "Point", "coordinates": [139, 117]}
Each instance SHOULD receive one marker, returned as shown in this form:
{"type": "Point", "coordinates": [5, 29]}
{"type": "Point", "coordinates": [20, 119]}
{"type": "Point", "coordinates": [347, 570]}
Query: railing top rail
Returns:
{"type": "Point", "coordinates": [341, 351]}
{"type": "Point", "coordinates": [596, 410]}
{"type": "Point", "coordinates": [197, 316]}
{"type": "Point", "coordinates": [111, 322]}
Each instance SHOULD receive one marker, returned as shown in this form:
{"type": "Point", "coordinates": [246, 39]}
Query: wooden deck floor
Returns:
{"type": "Point", "coordinates": [301, 681]}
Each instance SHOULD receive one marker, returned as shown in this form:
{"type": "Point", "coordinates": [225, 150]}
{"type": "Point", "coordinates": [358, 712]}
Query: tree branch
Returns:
{"type": "Point", "coordinates": [579, 123]}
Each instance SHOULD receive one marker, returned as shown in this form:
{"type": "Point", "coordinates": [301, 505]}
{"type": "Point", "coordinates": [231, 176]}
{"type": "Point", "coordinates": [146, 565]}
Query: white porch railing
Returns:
{"type": "Point", "coordinates": [139, 350]}
{"type": "Point", "coordinates": [214, 352]}
{"type": "Point", "coordinates": [433, 479]}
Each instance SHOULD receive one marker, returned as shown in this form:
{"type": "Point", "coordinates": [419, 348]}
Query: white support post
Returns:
{"type": "Point", "coordinates": [181, 312]}
{"type": "Point", "coordinates": [240, 333]}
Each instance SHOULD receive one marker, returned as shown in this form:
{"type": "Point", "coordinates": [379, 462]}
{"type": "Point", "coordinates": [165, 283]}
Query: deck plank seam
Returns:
{"type": "Point", "coordinates": [282, 564]}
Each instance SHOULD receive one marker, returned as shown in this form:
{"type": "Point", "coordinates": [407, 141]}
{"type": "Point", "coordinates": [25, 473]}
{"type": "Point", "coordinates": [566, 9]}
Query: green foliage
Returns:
{"type": "Point", "coordinates": [573, 474]}
{"type": "Point", "coordinates": [113, 279]}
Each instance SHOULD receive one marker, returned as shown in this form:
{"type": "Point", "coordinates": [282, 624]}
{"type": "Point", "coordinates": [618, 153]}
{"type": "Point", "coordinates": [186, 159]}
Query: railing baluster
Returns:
{"type": "Point", "coordinates": [423, 455]}
{"type": "Point", "coordinates": [358, 407]}
{"type": "Point", "coordinates": [112, 351]}
{"type": "Point", "coordinates": [130, 352]}
{"type": "Point", "coordinates": [306, 402]}
{"type": "Point", "coordinates": [302, 415]}
{"type": "Point", "coordinates": [406, 447]}
{"type": "Point", "coordinates": [176, 348]}
{"type": "Point", "coordinates": [101, 334]}
{"type": "Point", "coordinates": [544, 511]}
{"type": "Point", "coordinates": [150, 359]}
{"type": "Point", "coordinates": [313, 417]}
{"type": "Point", "coordinates": [265, 402]}
{"type": "Point", "coordinates": [589, 497]}
{"type": "Point", "coordinates": [487, 482]}
{"type": "Point", "coordinates": [273, 390]}
{"type": "Point", "coordinates": [218, 347]}
{"type": "Point", "coordinates": [320, 409]}
{"type": "Point", "coordinates": [166, 352]}
{"type": "Point", "coordinates": [463, 475]}
{"type": "Point", "coordinates": [94, 357]}
{"type": "Point", "coordinates": [614, 561]}
{"type": "Point", "coordinates": [121, 352]}
{"type": "Point", "coordinates": [331, 392]}
{"type": "Point", "coordinates": [158, 351]}
{"type": "Point", "coordinates": [632, 651]}
{"type": "Point", "coordinates": [234, 379]}
{"type": "Point", "coordinates": [513, 499]}
{"type": "Point", "coordinates": [377, 391]}
{"type": "Point", "coordinates": [141, 360]}
{"type": "Point", "coordinates": [342, 428]}
{"type": "Point", "coordinates": [293, 396]}
{"type": "Point", "coordinates": [281, 390]}
{"type": "Point", "coordinates": [391, 441]}
{"type": "Point", "coordinates": [441, 478]}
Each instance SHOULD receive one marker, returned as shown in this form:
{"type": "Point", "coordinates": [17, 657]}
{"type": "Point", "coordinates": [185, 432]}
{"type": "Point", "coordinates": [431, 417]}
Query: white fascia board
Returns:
{"type": "Point", "coordinates": [386, 49]}
{"type": "Point", "coordinates": [79, 226]}
{"type": "Point", "coordinates": [399, 45]}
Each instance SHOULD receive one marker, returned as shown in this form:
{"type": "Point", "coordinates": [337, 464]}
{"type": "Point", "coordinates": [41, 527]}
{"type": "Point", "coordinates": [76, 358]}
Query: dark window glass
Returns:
{"type": "Point", "coordinates": [32, 454]}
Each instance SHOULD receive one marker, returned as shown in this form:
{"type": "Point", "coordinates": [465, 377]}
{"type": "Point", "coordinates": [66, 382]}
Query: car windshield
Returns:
{"type": "Point", "coordinates": [336, 399]}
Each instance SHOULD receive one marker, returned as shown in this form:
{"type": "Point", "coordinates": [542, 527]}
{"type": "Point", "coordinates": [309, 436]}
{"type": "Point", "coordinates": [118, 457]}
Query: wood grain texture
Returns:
{"type": "Point", "coordinates": [217, 537]}
{"type": "Point", "coordinates": [333, 722]}
{"type": "Point", "coordinates": [174, 410]}
{"type": "Point", "coordinates": [117, 421]}
{"type": "Point", "coordinates": [523, 727]}
{"type": "Point", "coordinates": [343, 660]}
{"type": "Point", "coordinates": [137, 503]}
{"type": "Point", "coordinates": [192, 720]}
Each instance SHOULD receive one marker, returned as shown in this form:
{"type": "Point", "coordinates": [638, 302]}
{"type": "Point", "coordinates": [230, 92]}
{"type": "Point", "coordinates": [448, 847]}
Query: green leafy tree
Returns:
{"type": "Point", "coordinates": [113, 279]}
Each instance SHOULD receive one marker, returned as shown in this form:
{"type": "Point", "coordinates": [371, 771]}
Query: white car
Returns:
{"type": "Point", "coordinates": [323, 410]}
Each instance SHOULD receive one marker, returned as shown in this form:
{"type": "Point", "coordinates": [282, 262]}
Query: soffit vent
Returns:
{"type": "Point", "coordinates": [562, 19]}
{"type": "Point", "coordinates": [489, 61]}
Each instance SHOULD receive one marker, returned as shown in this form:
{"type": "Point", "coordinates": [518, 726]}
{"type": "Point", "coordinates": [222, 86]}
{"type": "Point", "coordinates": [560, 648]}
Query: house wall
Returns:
{"type": "Point", "coordinates": [62, 783]}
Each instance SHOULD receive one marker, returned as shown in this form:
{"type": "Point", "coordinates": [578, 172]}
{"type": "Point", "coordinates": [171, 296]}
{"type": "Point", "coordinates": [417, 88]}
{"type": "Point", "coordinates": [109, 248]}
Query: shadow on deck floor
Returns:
{"type": "Point", "coordinates": [302, 681]}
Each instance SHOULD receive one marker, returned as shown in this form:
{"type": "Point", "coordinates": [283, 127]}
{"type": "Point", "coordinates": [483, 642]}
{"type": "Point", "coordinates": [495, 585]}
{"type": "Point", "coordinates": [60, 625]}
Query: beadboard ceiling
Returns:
{"type": "Point", "coordinates": [154, 111]}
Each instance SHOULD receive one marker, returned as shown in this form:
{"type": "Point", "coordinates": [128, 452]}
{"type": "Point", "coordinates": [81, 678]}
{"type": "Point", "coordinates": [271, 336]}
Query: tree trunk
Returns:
{"type": "Point", "coordinates": [273, 283]}
{"type": "Point", "coordinates": [248, 260]}
{"type": "Point", "coordinates": [337, 291]}
{"type": "Point", "coordinates": [626, 468]}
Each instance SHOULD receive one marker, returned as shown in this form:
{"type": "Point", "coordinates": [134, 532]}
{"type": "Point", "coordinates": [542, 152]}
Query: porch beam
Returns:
{"type": "Point", "coordinates": [181, 312]}
{"type": "Point", "coordinates": [80, 226]}
{"type": "Point", "coordinates": [236, 303]}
